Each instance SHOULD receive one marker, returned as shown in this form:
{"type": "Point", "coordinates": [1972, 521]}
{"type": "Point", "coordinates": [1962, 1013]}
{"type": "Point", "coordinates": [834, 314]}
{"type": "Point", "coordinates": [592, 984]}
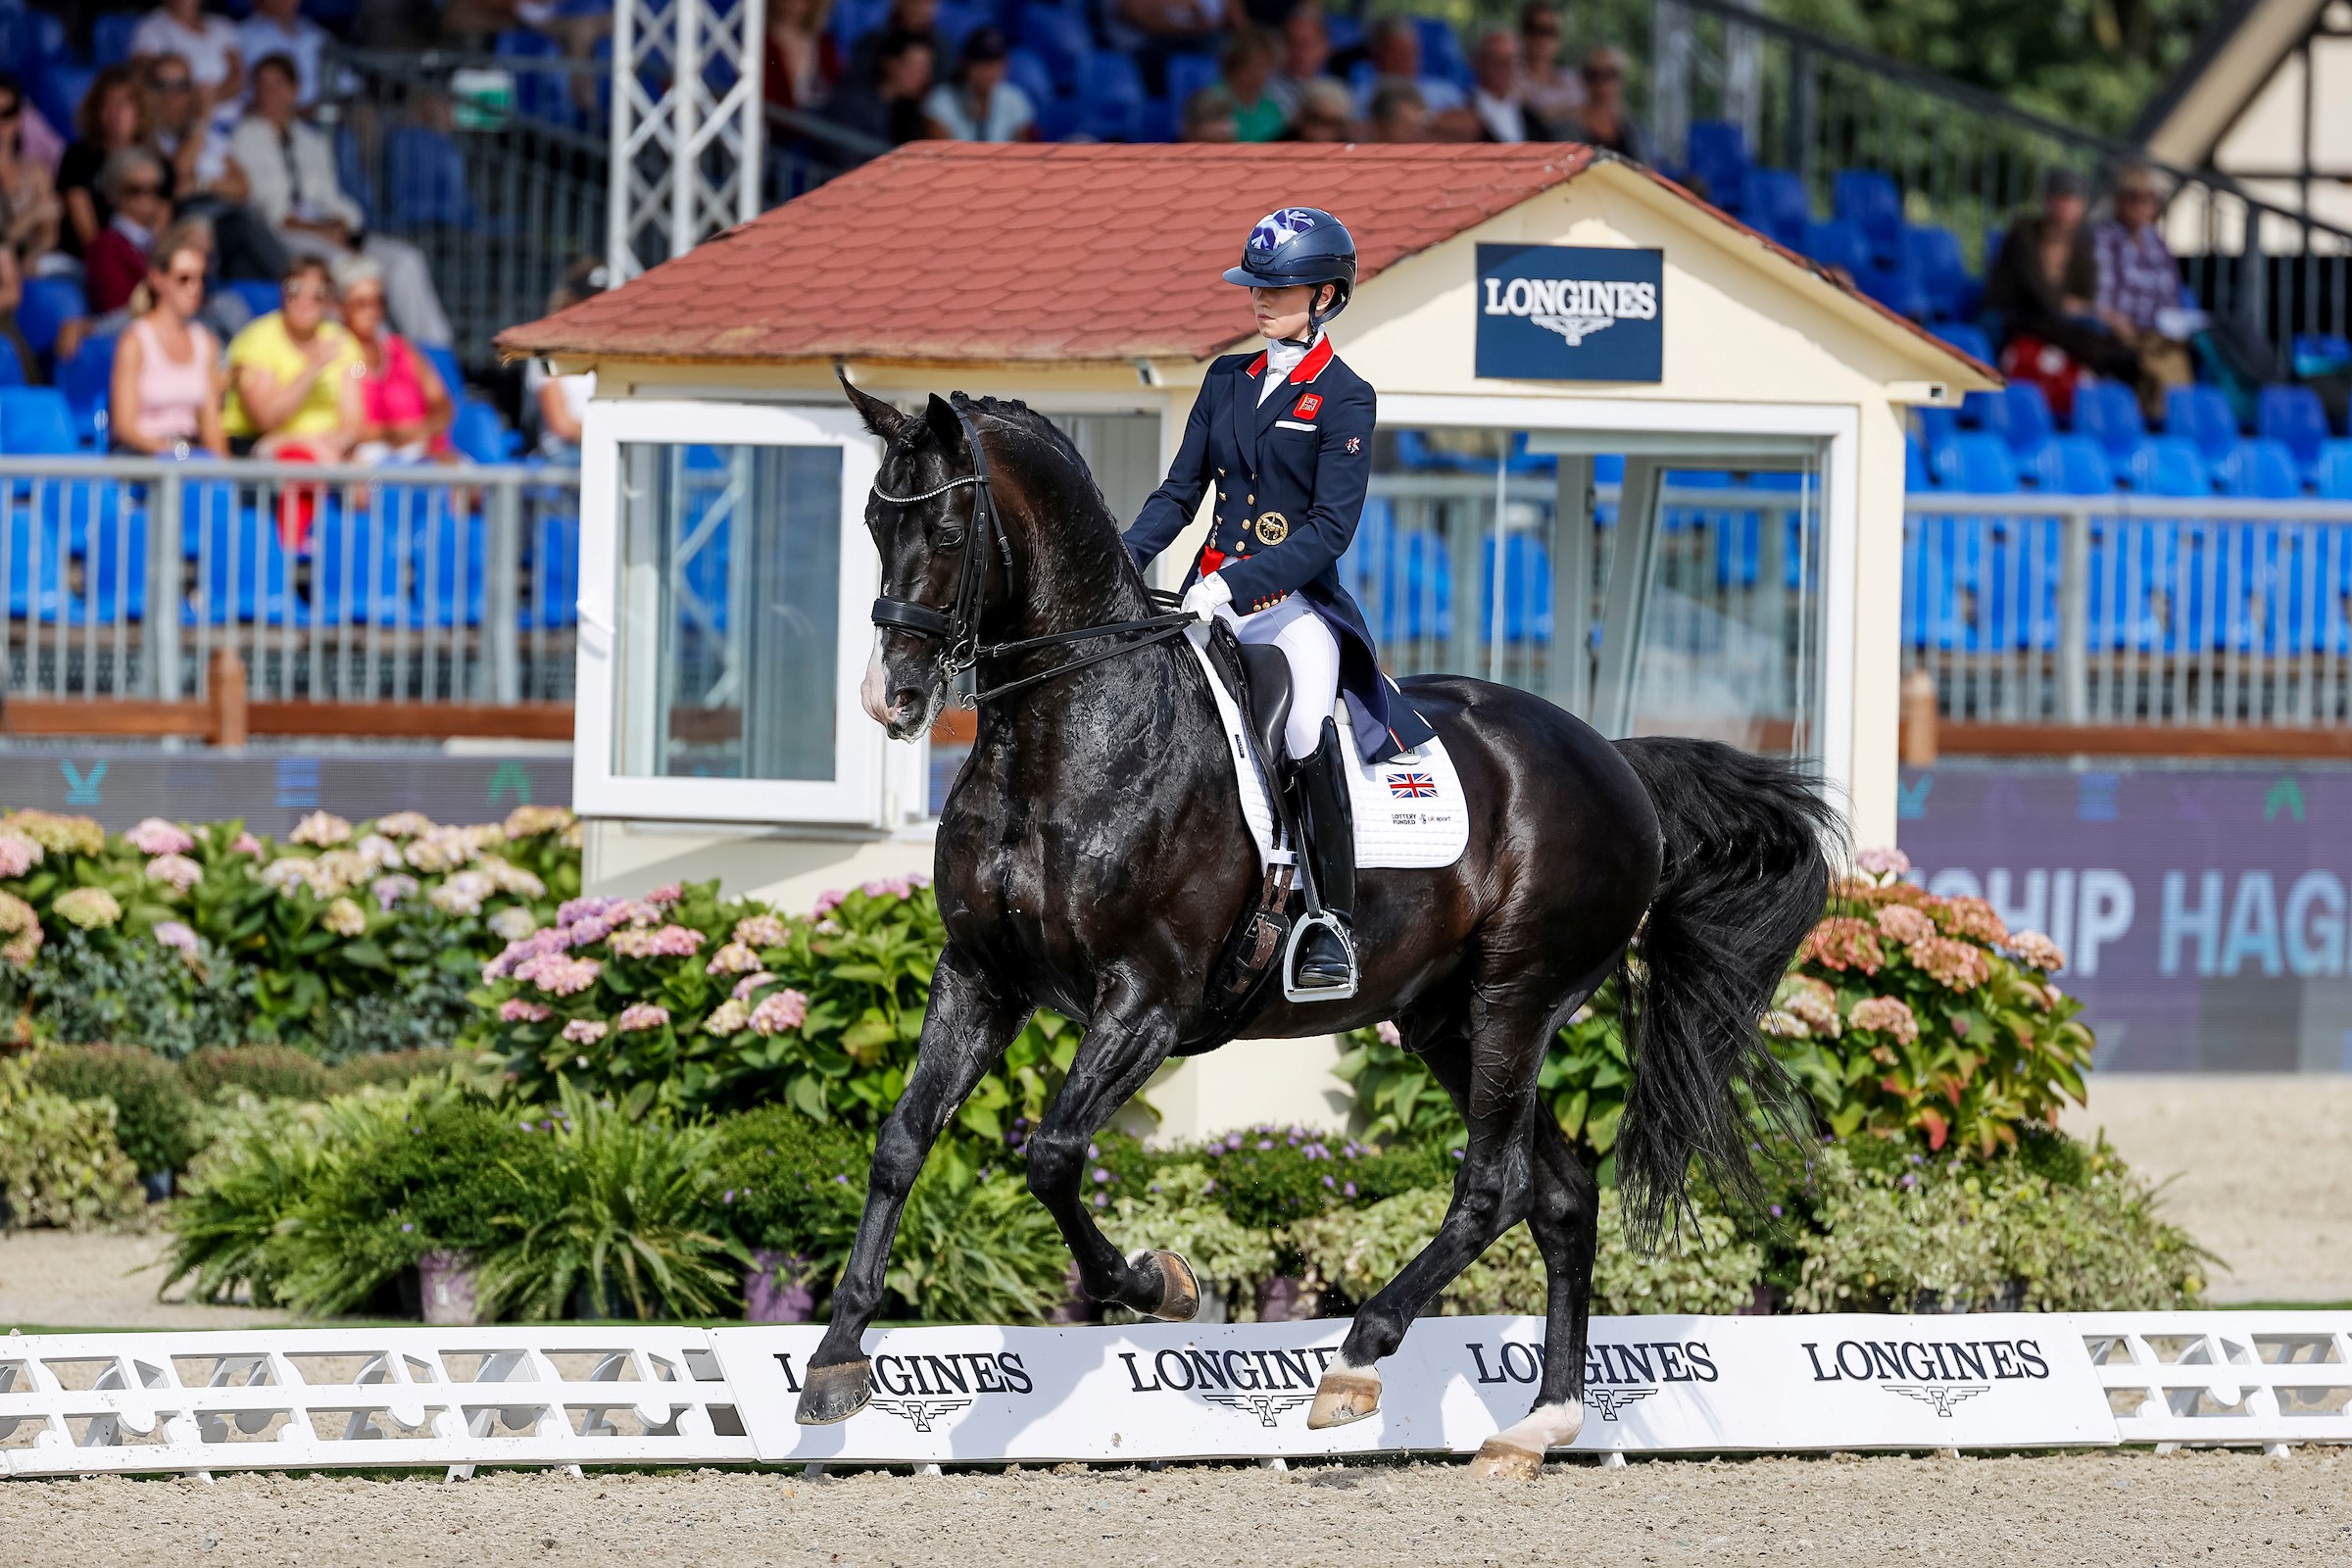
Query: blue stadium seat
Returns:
{"type": "Point", "coordinates": [2263, 468]}
{"type": "Point", "coordinates": [35, 421]}
{"type": "Point", "coordinates": [1868, 200]}
{"type": "Point", "coordinates": [1525, 589]}
{"type": "Point", "coordinates": [1899, 288]}
{"type": "Point", "coordinates": [1837, 243]}
{"type": "Point", "coordinates": [853, 19]}
{"type": "Point", "coordinates": [356, 562]}
{"type": "Point", "coordinates": [553, 599]}
{"type": "Point", "coordinates": [2020, 415]}
{"type": "Point", "coordinates": [2294, 415]}
{"type": "Point", "coordinates": [1026, 69]}
{"type": "Point", "coordinates": [2201, 416]}
{"type": "Point", "coordinates": [1934, 252]}
{"type": "Point", "coordinates": [1774, 202]}
{"type": "Point", "coordinates": [2109, 413]}
{"type": "Point", "coordinates": [2170, 466]}
{"type": "Point", "coordinates": [1442, 51]}
{"type": "Point", "coordinates": [2320, 353]}
{"type": "Point", "coordinates": [35, 554]}
{"type": "Point", "coordinates": [426, 175]}
{"type": "Point", "coordinates": [49, 303]}
{"type": "Point", "coordinates": [58, 91]}
{"type": "Point", "coordinates": [1061, 38]}
{"type": "Point", "coordinates": [445, 360]}
{"type": "Point", "coordinates": [86, 380]}
{"type": "Point", "coordinates": [1916, 474]}
{"type": "Point", "coordinates": [2072, 466]}
{"type": "Point", "coordinates": [1976, 464]}
{"type": "Point", "coordinates": [2332, 476]}
{"type": "Point", "coordinates": [1718, 152]}
{"type": "Point", "coordinates": [1110, 97]}
{"type": "Point", "coordinates": [1968, 339]}
{"type": "Point", "coordinates": [1188, 74]}
{"type": "Point", "coordinates": [479, 433]}
{"type": "Point", "coordinates": [956, 20]}
{"type": "Point", "coordinates": [242, 574]}
{"type": "Point", "coordinates": [114, 584]}
{"type": "Point", "coordinates": [12, 369]}
{"type": "Point", "coordinates": [353, 174]}
{"type": "Point", "coordinates": [109, 37]}
{"type": "Point", "coordinates": [1935, 425]}
{"type": "Point", "coordinates": [446, 555]}
{"type": "Point", "coordinates": [259, 298]}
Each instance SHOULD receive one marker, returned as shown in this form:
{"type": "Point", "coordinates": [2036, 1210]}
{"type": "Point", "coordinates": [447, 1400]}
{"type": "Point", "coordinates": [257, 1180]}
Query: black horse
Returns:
{"type": "Point", "coordinates": [1093, 859]}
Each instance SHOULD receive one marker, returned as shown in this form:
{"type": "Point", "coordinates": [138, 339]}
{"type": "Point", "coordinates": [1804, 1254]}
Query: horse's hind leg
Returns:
{"type": "Point", "coordinates": [967, 1028]}
{"type": "Point", "coordinates": [1564, 1218]}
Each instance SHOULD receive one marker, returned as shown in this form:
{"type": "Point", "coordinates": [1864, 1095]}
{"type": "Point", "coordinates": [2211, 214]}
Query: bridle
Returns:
{"type": "Point", "coordinates": [958, 627]}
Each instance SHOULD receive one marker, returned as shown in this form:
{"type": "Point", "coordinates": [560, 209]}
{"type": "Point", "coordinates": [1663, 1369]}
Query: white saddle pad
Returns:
{"type": "Point", "coordinates": [1409, 813]}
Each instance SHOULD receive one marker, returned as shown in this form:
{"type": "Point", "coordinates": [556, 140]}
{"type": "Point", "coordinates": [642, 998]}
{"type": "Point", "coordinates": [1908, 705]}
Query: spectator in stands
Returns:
{"type": "Point", "coordinates": [2044, 283]}
{"type": "Point", "coordinates": [559, 404]}
{"type": "Point", "coordinates": [1326, 113]}
{"type": "Point", "coordinates": [208, 44]}
{"type": "Point", "coordinates": [405, 408]}
{"type": "Point", "coordinates": [1208, 116]}
{"type": "Point", "coordinates": [115, 263]}
{"type": "Point", "coordinates": [113, 115]}
{"type": "Point", "coordinates": [166, 391]}
{"type": "Point", "coordinates": [1399, 113]}
{"type": "Point", "coordinates": [294, 375]}
{"type": "Point", "coordinates": [2139, 289]}
{"type": "Point", "coordinates": [1152, 31]}
{"type": "Point", "coordinates": [981, 106]}
{"type": "Point", "coordinates": [1496, 94]}
{"type": "Point", "coordinates": [1396, 53]}
{"type": "Point", "coordinates": [290, 166]}
{"type": "Point", "coordinates": [30, 211]}
{"type": "Point", "coordinates": [1305, 57]}
{"type": "Point", "coordinates": [12, 295]}
{"type": "Point", "coordinates": [917, 19]}
{"type": "Point", "coordinates": [207, 182]}
{"type": "Point", "coordinates": [1604, 120]}
{"type": "Point", "coordinates": [804, 64]}
{"type": "Point", "coordinates": [1556, 95]}
{"type": "Point", "coordinates": [888, 105]}
{"type": "Point", "coordinates": [1245, 69]}
{"type": "Point", "coordinates": [279, 27]}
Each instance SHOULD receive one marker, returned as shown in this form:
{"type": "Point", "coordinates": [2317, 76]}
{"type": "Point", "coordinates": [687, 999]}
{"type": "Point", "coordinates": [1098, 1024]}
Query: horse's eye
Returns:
{"type": "Point", "coordinates": [951, 536]}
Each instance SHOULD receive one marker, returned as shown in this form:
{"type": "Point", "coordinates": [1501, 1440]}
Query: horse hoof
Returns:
{"type": "Point", "coordinates": [1501, 1460]}
{"type": "Point", "coordinates": [1345, 1393]}
{"type": "Point", "coordinates": [833, 1393]}
{"type": "Point", "coordinates": [1179, 1290]}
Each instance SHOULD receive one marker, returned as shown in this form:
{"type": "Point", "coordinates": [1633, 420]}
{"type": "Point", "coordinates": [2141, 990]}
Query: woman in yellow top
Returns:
{"type": "Point", "coordinates": [294, 375]}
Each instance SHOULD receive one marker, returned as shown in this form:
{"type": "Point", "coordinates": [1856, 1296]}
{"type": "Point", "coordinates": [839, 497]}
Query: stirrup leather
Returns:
{"type": "Point", "coordinates": [1313, 920]}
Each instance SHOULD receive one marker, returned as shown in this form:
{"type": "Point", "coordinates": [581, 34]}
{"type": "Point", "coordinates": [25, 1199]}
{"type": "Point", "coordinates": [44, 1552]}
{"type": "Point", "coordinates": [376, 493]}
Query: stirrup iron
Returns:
{"type": "Point", "coordinates": [1311, 920]}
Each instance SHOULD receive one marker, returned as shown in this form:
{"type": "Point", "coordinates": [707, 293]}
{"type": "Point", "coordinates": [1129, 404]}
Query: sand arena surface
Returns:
{"type": "Point", "coordinates": [2103, 1509]}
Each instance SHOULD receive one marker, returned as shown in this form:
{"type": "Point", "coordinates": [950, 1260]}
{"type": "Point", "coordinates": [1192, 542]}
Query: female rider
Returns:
{"type": "Point", "coordinates": [1285, 438]}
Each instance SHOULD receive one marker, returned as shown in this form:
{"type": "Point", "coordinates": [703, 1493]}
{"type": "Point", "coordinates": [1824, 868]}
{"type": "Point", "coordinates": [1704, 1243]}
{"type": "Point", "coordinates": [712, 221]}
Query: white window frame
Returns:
{"type": "Point", "coordinates": [1837, 425]}
{"type": "Point", "coordinates": [861, 789]}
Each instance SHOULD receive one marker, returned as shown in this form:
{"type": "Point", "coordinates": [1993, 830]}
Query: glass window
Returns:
{"type": "Point", "coordinates": [729, 629]}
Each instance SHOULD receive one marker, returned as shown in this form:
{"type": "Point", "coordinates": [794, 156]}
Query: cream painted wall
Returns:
{"type": "Point", "coordinates": [785, 866]}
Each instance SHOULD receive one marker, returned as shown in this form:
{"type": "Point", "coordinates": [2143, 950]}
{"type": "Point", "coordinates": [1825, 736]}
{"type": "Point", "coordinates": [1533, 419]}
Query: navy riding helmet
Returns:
{"type": "Point", "coordinates": [1299, 245]}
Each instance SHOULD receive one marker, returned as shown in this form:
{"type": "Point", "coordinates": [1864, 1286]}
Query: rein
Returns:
{"type": "Point", "coordinates": [960, 626]}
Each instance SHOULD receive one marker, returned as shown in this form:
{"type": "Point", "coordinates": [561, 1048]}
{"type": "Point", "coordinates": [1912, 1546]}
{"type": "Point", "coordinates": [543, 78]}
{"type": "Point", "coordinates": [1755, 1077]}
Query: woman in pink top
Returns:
{"type": "Point", "coordinates": [405, 410]}
{"type": "Point", "coordinates": [167, 387]}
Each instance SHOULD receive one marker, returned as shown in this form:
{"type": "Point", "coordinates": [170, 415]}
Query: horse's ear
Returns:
{"type": "Point", "coordinates": [945, 428]}
{"type": "Point", "coordinates": [879, 416]}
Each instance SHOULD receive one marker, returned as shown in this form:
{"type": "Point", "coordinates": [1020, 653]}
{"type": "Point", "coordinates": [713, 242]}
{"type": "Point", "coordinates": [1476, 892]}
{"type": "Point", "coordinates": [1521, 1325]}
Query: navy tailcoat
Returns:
{"type": "Point", "coordinates": [1288, 472]}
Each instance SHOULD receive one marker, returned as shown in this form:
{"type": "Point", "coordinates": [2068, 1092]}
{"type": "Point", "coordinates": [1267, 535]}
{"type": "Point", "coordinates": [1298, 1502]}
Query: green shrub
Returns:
{"type": "Point", "coordinates": [976, 1249]}
{"type": "Point", "coordinates": [1361, 1249]}
{"type": "Point", "coordinates": [622, 1215]}
{"type": "Point", "coordinates": [271, 1072]}
{"type": "Point", "coordinates": [790, 1185]}
{"type": "Point", "coordinates": [154, 1113]}
{"type": "Point", "coordinates": [94, 986]}
{"type": "Point", "coordinates": [1921, 1231]}
{"type": "Point", "coordinates": [392, 1069]}
{"type": "Point", "coordinates": [1177, 1206]}
{"type": "Point", "coordinates": [230, 1226]}
{"type": "Point", "coordinates": [59, 1162]}
{"type": "Point", "coordinates": [1270, 1177]}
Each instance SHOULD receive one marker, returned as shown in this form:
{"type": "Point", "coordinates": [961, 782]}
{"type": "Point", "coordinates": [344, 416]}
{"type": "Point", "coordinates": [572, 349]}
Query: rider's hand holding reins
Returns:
{"type": "Point", "coordinates": [1204, 598]}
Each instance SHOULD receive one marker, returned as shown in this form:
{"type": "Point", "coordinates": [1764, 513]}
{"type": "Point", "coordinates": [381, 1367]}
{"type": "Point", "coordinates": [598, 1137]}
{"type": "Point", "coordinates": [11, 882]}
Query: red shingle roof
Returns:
{"type": "Point", "coordinates": [951, 251]}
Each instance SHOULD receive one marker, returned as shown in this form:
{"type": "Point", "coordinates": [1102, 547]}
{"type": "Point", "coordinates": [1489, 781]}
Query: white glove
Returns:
{"type": "Point", "coordinates": [1203, 598]}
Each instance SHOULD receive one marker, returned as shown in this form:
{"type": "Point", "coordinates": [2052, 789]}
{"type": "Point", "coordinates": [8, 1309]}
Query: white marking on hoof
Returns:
{"type": "Point", "coordinates": [1516, 1453]}
{"type": "Point", "coordinates": [1346, 1393]}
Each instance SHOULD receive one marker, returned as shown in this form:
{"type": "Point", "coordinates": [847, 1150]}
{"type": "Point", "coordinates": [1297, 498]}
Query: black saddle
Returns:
{"type": "Point", "coordinates": [1266, 699]}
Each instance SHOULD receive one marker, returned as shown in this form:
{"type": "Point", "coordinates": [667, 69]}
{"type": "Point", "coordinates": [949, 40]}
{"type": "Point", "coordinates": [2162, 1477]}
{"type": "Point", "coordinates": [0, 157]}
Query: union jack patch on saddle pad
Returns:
{"type": "Point", "coordinates": [1413, 786]}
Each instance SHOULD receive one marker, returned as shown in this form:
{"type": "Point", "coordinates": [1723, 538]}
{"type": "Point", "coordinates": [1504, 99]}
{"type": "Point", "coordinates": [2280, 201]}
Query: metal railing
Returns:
{"type": "Point", "coordinates": [2130, 610]}
{"type": "Point", "coordinates": [349, 584]}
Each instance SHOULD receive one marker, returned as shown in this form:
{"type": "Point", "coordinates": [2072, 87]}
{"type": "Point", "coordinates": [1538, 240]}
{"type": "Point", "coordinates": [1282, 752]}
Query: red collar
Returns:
{"type": "Point", "coordinates": [1257, 364]}
{"type": "Point", "coordinates": [1312, 365]}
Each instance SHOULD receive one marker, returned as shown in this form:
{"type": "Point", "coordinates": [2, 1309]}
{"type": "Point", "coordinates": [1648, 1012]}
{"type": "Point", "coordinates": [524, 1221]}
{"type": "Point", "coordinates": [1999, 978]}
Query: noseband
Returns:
{"type": "Point", "coordinates": [960, 626]}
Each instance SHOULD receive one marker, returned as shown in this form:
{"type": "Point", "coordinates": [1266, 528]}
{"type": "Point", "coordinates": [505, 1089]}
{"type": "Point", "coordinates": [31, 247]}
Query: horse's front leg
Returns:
{"type": "Point", "coordinates": [1122, 1048]}
{"type": "Point", "coordinates": [967, 1028]}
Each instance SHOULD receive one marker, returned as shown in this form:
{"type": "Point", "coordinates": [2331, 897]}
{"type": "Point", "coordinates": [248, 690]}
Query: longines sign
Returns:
{"type": "Point", "coordinates": [1571, 312]}
{"type": "Point", "coordinates": [1652, 1385]}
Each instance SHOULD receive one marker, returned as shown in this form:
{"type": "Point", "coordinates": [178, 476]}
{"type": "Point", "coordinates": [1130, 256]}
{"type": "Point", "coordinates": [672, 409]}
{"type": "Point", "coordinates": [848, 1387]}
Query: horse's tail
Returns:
{"type": "Point", "coordinates": [1748, 848]}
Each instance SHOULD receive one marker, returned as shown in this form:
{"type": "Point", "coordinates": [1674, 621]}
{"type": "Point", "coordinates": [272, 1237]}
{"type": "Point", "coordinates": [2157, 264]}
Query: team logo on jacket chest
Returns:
{"type": "Point", "coordinates": [1306, 407]}
{"type": "Point", "coordinates": [1272, 527]}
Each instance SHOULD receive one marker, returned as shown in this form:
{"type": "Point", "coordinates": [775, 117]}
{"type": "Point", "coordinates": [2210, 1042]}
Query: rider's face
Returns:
{"type": "Point", "coordinates": [1282, 312]}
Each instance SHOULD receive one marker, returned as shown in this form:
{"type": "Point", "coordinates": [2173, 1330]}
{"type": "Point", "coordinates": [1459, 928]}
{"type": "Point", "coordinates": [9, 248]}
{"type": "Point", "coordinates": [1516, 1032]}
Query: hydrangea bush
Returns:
{"type": "Point", "coordinates": [346, 938]}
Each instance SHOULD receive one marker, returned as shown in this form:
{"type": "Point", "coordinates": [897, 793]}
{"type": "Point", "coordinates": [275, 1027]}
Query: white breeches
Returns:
{"type": "Point", "coordinates": [1314, 656]}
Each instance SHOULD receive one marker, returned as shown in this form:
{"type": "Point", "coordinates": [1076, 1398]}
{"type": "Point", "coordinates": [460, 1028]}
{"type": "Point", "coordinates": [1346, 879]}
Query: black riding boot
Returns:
{"type": "Point", "coordinates": [1327, 819]}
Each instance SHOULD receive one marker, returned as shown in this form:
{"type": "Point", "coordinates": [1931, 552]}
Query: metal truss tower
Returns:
{"type": "Point", "coordinates": [687, 121]}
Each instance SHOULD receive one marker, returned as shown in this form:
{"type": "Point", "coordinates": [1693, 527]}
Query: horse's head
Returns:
{"type": "Point", "coordinates": [924, 544]}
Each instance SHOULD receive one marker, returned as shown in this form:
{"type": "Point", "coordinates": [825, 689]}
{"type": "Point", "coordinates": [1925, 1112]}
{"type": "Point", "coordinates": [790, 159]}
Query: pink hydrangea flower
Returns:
{"type": "Point", "coordinates": [1890, 1015]}
{"type": "Point", "coordinates": [733, 958]}
{"type": "Point", "coordinates": [246, 844]}
{"type": "Point", "coordinates": [667, 894]}
{"type": "Point", "coordinates": [155, 836]}
{"type": "Point", "coordinates": [522, 1010]}
{"type": "Point", "coordinates": [562, 977]}
{"type": "Point", "coordinates": [397, 888]}
{"type": "Point", "coordinates": [1905, 925]}
{"type": "Point", "coordinates": [1390, 1034]}
{"type": "Point", "coordinates": [1843, 942]}
{"type": "Point", "coordinates": [827, 902]}
{"type": "Point", "coordinates": [727, 1018]}
{"type": "Point", "coordinates": [1956, 964]}
{"type": "Point", "coordinates": [786, 1009]}
{"type": "Point", "coordinates": [666, 942]}
{"type": "Point", "coordinates": [751, 983]}
{"type": "Point", "coordinates": [585, 1031]}
{"type": "Point", "coordinates": [896, 887]}
{"type": "Point", "coordinates": [640, 1016]}
{"type": "Point", "coordinates": [179, 871]}
{"type": "Point", "coordinates": [321, 829]}
{"type": "Point", "coordinates": [1882, 861]}
{"type": "Point", "coordinates": [572, 910]}
{"type": "Point", "coordinates": [2036, 951]}
{"type": "Point", "coordinates": [18, 854]}
{"type": "Point", "coordinates": [176, 935]}
{"type": "Point", "coordinates": [760, 931]}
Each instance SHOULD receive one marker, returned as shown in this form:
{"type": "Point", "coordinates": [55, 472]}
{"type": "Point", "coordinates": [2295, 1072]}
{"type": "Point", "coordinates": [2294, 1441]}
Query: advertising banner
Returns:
{"type": "Point", "coordinates": [2203, 911]}
{"type": "Point", "coordinates": [1242, 1391]}
{"type": "Point", "coordinates": [1571, 312]}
